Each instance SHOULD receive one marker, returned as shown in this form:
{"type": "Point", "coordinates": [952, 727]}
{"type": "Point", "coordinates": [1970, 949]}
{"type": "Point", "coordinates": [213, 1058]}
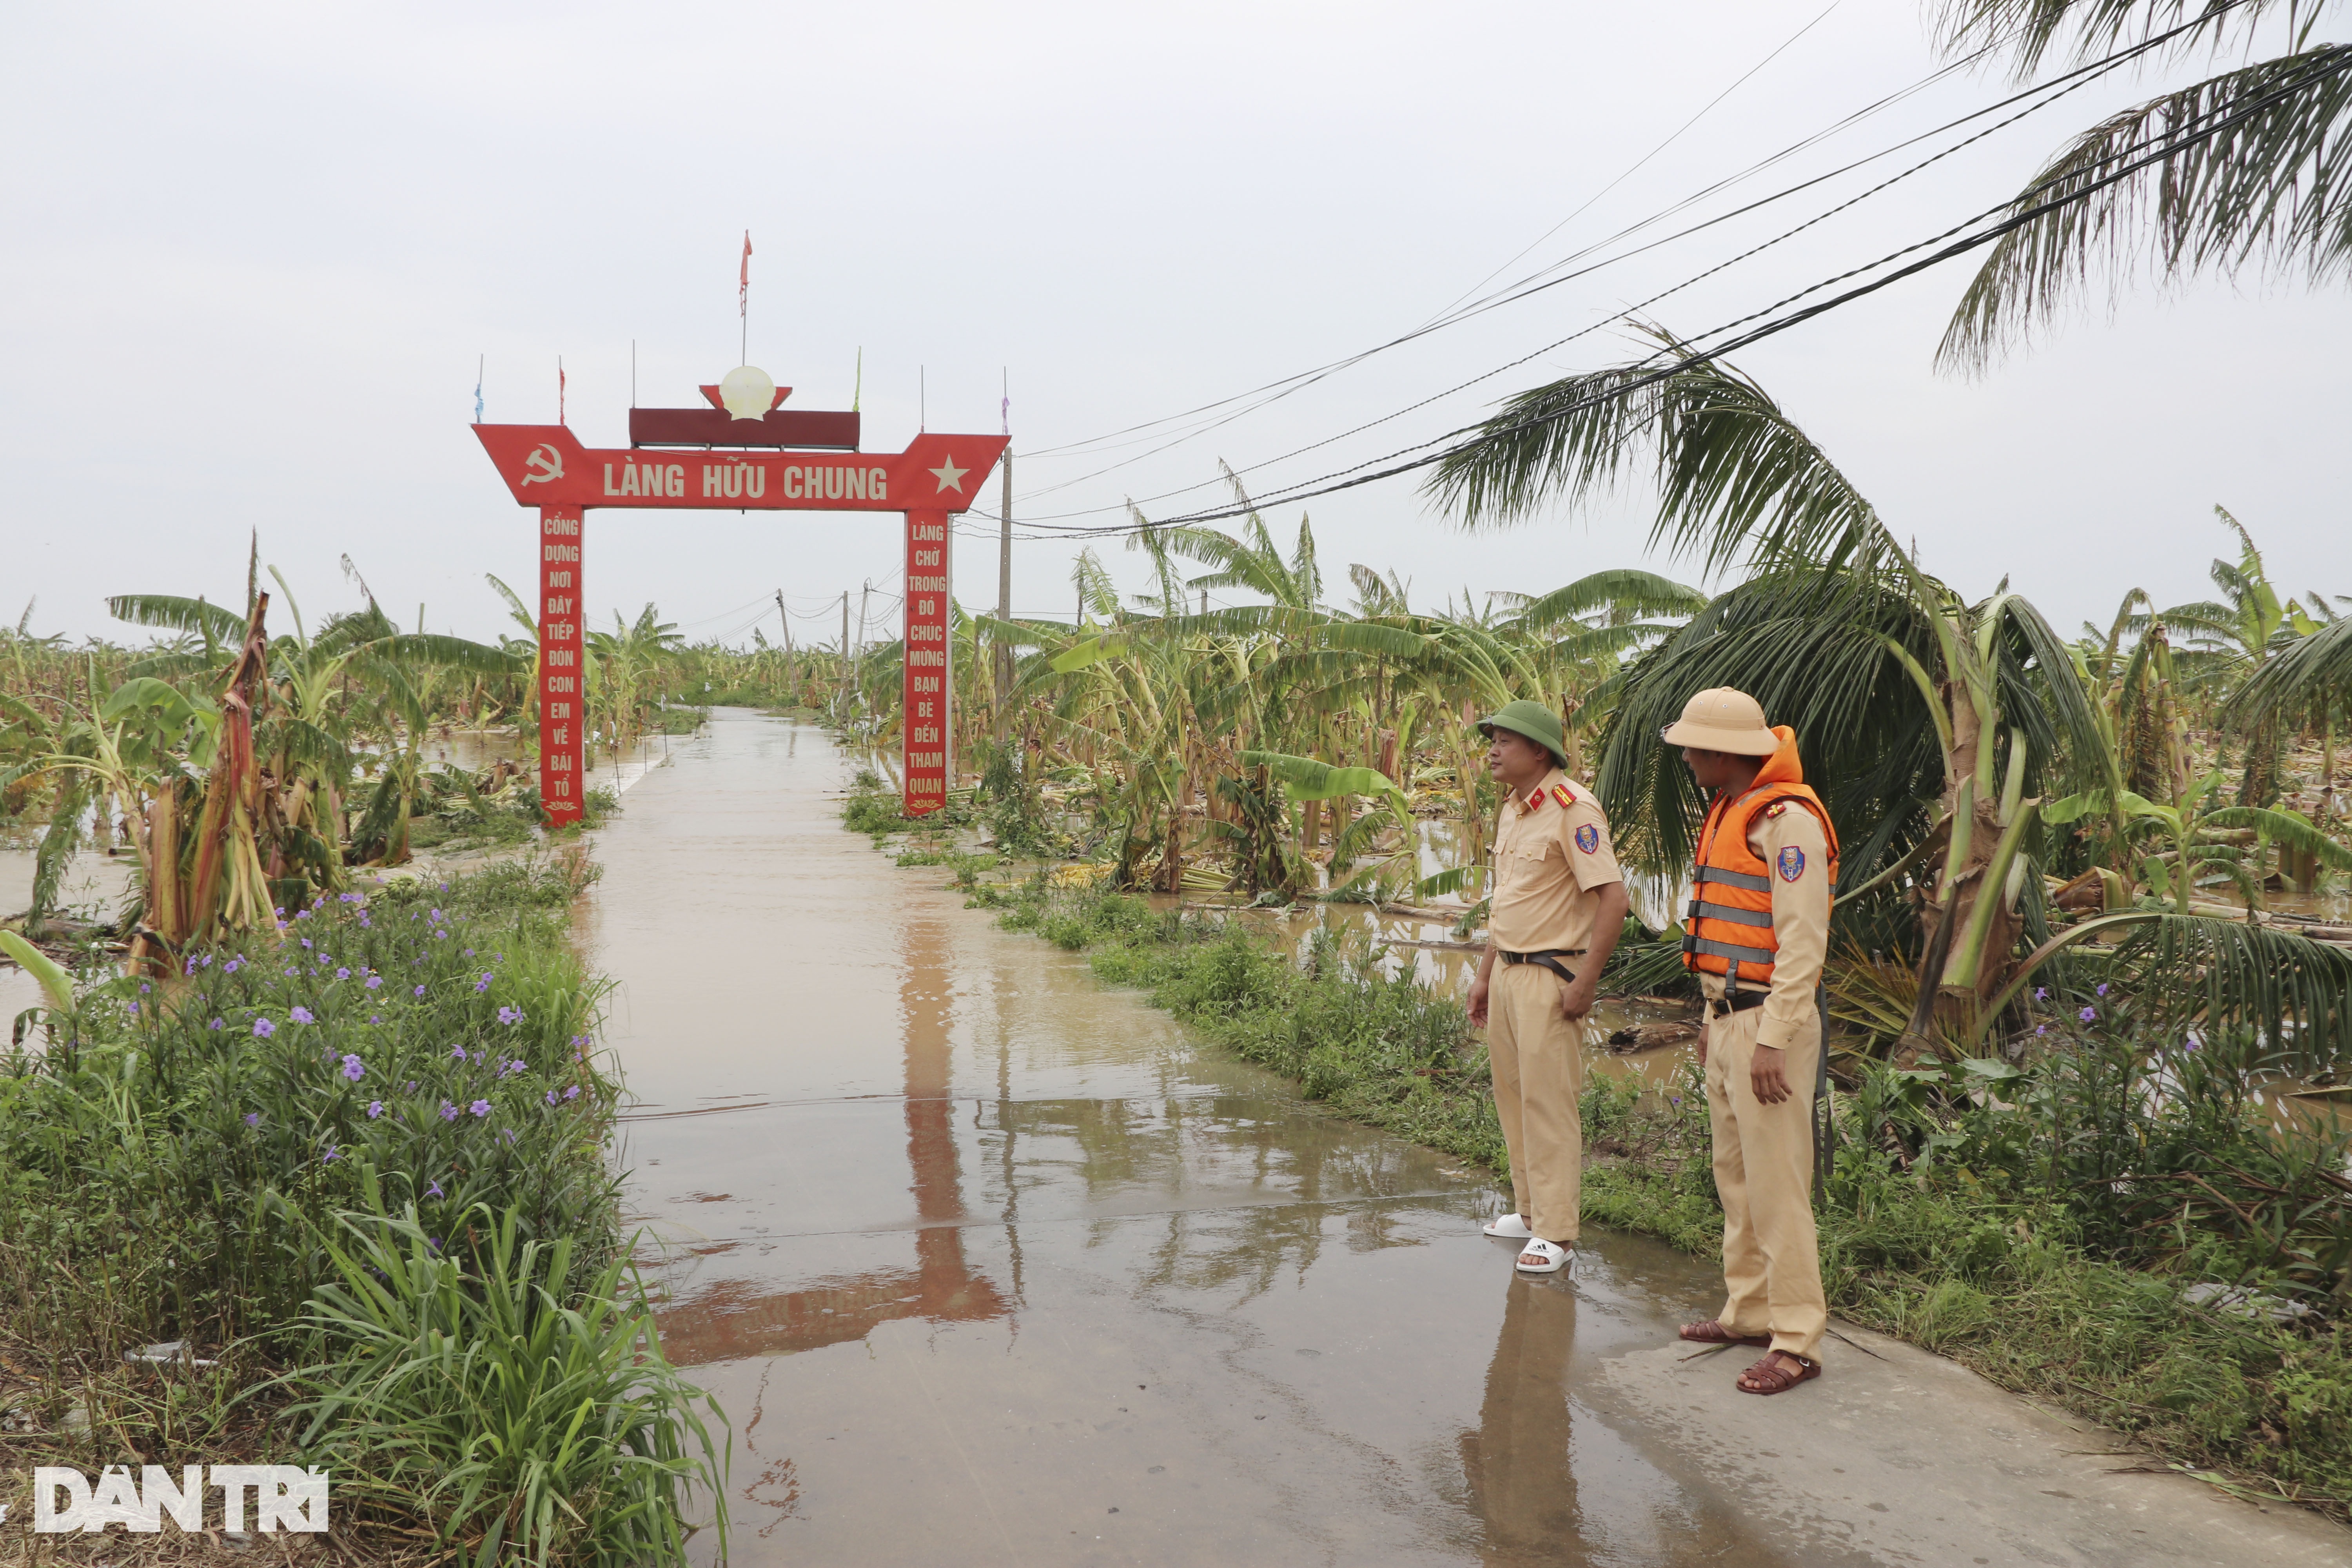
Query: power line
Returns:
{"type": "Point", "coordinates": [1631, 310]}
{"type": "Point", "coordinates": [1317, 487]}
{"type": "Point", "coordinates": [2048, 92]}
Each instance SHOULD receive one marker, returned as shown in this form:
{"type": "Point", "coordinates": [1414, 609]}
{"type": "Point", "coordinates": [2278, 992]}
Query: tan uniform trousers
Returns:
{"type": "Point", "coordinates": [1764, 1172]}
{"type": "Point", "coordinates": [1539, 1073]}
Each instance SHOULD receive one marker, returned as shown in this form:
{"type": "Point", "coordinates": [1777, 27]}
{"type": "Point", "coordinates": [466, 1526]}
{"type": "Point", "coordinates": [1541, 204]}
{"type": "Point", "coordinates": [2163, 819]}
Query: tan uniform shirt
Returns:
{"type": "Point", "coordinates": [1788, 839]}
{"type": "Point", "coordinates": [1550, 862]}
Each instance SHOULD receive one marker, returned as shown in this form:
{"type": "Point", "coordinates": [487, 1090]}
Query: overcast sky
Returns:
{"type": "Point", "coordinates": [253, 255]}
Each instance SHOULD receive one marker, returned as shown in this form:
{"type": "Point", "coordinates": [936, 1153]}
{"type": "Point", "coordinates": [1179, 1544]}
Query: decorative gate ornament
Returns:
{"type": "Point", "coordinates": [745, 452]}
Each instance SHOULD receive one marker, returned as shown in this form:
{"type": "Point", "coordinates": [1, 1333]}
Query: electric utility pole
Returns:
{"type": "Point", "coordinates": [785, 615]}
{"type": "Point", "coordinates": [844, 652]}
{"type": "Point", "coordinates": [865, 598]}
{"type": "Point", "coordinates": [1004, 594]}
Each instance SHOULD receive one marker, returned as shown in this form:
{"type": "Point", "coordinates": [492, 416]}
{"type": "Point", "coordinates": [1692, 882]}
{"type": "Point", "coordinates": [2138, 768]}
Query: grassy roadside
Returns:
{"type": "Point", "coordinates": [2042, 1235]}
{"type": "Point", "coordinates": [355, 1172]}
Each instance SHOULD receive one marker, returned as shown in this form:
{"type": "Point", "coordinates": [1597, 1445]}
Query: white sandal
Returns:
{"type": "Point", "coordinates": [1509, 1226]}
{"type": "Point", "coordinates": [1552, 1256]}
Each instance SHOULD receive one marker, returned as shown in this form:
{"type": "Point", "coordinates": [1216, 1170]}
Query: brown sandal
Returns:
{"type": "Point", "coordinates": [1769, 1377]}
{"type": "Point", "coordinates": [1712, 1332]}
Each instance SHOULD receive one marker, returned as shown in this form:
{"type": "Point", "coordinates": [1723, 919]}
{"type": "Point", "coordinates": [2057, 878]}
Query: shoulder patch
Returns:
{"type": "Point", "coordinates": [1563, 793]}
{"type": "Point", "coordinates": [1792, 863]}
{"type": "Point", "coordinates": [1587, 838]}
{"type": "Point", "coordinates": [1775, 808]}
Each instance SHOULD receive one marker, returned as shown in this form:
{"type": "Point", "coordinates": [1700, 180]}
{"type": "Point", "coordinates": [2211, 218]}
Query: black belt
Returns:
{"type": "Point", "coordinates": [1737, 1001]}
{"type": "Point", "coordinates": [1548, 957]}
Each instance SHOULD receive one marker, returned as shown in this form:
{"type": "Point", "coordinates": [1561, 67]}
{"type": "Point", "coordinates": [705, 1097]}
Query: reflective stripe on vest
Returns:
{"type": "Point", "coordinates": [1729, 926]}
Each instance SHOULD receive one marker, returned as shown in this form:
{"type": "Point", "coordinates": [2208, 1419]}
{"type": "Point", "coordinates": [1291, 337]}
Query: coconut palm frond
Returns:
{"type": "Point", "coordinates": [2030, 31]}
{"type": "Point", "coordinates": [1866, 736]}
{"type": "Point", "coordinates": [1626, 590]}
{"type": "Point", "coordinates": [179, 614]}
{"type": "Point", "coordinates": [2225, 978]}
{"type": "Point", "coordinates": [2316, 668]}
{"type": "Point", "coordinates": [2269, 186]}
{"type": "Point", "coordinates": [1736, 477]}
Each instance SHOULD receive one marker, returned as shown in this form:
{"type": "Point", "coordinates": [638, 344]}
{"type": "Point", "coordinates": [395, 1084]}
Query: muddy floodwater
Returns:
{"type": "Point", "coordinates": [987, 1263]}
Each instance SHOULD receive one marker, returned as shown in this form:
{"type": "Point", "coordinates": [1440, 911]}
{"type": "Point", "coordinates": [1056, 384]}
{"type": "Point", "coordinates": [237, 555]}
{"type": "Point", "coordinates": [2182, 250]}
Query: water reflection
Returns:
{"type": "Point", "coordinates": [734, 1318]}
{"type": "Point", "coordinates": [1521, 1484]}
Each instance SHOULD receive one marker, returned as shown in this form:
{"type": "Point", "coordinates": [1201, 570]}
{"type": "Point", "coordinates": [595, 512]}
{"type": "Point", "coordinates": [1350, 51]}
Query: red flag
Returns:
{"type": "Point", "coordinates": [743, 284]}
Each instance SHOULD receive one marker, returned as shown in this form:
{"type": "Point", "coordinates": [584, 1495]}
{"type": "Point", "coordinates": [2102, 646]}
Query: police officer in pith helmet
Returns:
{"type": "Point", "coordinates": [1558, 905]}
{"type": "Point", "coordinates": [1757, 928]}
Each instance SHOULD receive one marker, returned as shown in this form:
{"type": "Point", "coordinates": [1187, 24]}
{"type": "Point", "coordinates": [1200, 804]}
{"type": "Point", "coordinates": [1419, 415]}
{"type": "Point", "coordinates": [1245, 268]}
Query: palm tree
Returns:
{"type": "Point", "coordinates": [2243, 168]}
{"type": "Point", "coordinates": [1927, 717]}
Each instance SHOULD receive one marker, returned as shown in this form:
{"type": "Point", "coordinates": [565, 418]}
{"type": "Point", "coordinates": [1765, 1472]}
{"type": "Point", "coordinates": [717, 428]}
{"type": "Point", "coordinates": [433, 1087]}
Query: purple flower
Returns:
{"type": "Point", "coordinates": [331, 1154]}
{"type": "Point", "coordinates": [366, 924]}
{"type": "Point", "coordinates": [263, 1028]}
{"type": "Point", "coordinates": [509, 1014]}
{"type": "Point", "coordinates": [232, 966]}
{"type": "Point", "coordinates": [373, 980]}
{"type": "Point", "coordinates": [306, 943]}
{"type": "Point", "coordinates": [420, 991]}
{"type": "Point", "coordinates": [521, 1065]}
{"type": "Point", "coordinates": [469, 952]}
{"type": "Point", "coordinates": [411, 1085]}
{"type": "Point", "coordinates": [375, 1108]}
{"type": "Point", "coordinates": [2040, 1029]}
{"type": "Point", "coordinates": [436, 913]}
{"type": "Point", "coordinates": [482, 984]}
{"type": "Point", "coordinates": [353, 1068]}
{"type": "Point", "coordinates": [302, 915]}
{"type": "Point", "coordinates": [252, 1119]}
{"type": "Point", "coordinates": [551, 1097]}
{"type": "Point", "coordinates": [571, 1093]}
{"type": "Point", "coordinates": [134, 1009]}
{"type": "Point", "coordinates": [480, 1108]}
{"type": "Point", "coordinates": [220, 1023]}
{"type": "Point", "coordinates": [375, 1017]}
{"type": "Point", "coordinates": [2042, 994]}
{"type": "Point", "coordinates": [2103, 988]}
{"type": "Point", "coordinates": [448, 1111]}
{"type": "Point", "coordinates": [292, 970]}
{"type": "Point", "coordinates": [433, 1190]}
{"type": "Point", "coordinates": [144, 988]}
{"type": "Point", "coordinates": [2088, 1015]}
{"type": "Point", "coordinates": [302, 1015]}
{"type": "Point", "coordinates": [343, 974]}
{"type": "Point", "coordinates": [457, 1053]}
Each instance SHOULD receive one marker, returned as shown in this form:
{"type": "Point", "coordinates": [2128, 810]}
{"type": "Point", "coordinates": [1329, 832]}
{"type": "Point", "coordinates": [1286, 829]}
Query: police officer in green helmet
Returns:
{"type": "Point", "coordinates": [1558, 904]}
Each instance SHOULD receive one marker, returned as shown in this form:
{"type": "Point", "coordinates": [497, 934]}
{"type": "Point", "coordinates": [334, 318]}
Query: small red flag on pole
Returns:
{"type": "Point", "coordinates": [743, 297]}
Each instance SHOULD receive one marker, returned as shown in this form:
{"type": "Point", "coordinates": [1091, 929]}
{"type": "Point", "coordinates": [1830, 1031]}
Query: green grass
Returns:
{"type": "Point", "coordinates": [188, 1160]}
{"type": "Point", "coordinates": [2037, 1234]}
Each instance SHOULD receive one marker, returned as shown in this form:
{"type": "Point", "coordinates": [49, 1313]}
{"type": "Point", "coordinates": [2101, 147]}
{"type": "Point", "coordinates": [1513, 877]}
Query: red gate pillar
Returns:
{"type": "Point", "coordinates": [562, 683]}
{"type": "Point", "coordinates": [929, 687]}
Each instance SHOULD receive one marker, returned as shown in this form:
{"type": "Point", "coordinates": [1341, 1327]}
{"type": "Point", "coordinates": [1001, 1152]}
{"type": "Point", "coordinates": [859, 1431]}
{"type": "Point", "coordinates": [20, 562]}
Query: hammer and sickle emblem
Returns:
{"type": "Point", "coordinates": [544, 463]}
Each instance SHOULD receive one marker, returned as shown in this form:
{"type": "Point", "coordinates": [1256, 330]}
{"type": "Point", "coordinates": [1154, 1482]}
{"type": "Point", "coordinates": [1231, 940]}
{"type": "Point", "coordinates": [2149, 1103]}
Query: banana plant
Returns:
{"type": "Point", "coordinates": [2193, 841]}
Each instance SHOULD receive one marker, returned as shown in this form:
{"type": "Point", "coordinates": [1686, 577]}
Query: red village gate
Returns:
{"type": "Point", "coordinates": [812, 464]}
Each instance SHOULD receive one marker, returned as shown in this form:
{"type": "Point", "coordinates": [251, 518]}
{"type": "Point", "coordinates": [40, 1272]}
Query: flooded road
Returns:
{"type": "Point", "coordinates": [989, 1264]}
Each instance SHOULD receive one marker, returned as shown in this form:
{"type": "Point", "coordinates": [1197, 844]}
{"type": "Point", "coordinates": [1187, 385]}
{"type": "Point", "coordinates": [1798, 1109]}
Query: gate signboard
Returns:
{"type": "Point", "coordinates": [746, 454]}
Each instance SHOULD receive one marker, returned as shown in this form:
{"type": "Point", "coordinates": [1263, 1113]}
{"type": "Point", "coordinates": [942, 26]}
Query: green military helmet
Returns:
{"type": "Point", "coordinates": [1533, 720]}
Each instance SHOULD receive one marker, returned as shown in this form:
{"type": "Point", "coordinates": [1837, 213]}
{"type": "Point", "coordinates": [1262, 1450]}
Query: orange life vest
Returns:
{"type": "Point", "coordinates": [1730, 929]}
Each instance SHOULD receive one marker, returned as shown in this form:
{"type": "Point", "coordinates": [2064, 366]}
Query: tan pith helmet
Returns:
{"type": "Point", "coordinates": [1724, 720]}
